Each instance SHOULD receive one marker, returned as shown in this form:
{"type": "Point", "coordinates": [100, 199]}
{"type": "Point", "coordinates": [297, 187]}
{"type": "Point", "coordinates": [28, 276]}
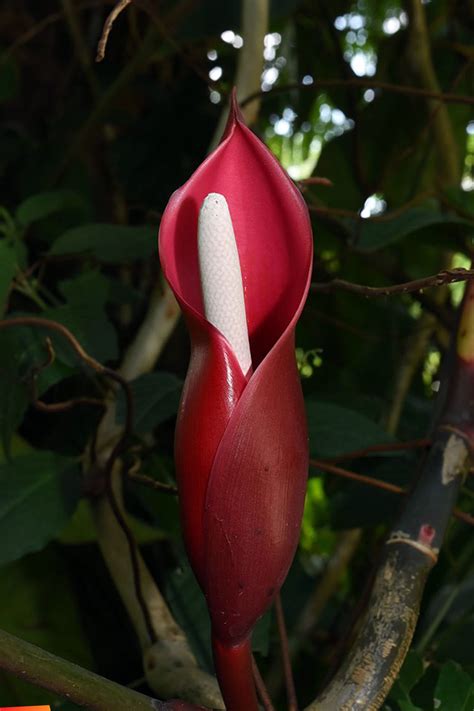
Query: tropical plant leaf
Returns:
{"type": "Point", "coordinates": [156, 399]}
{"type": "Point", "coordinates": [108, 243]}
{"type": "Point", "coordinates": [336, 430]}
{"type": "Point", "coordinates": [37, 207]}
{"type": "Point", "coordinates": [40, 491]}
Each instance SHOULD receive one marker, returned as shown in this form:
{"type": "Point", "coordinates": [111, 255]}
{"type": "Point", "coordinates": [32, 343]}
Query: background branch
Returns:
{"type": "Point", "coordinates": [254, 23]}
{"type": "Point", "coordinates": [447, 276]}
{"type": "Point", "coordinates": [423, 93]}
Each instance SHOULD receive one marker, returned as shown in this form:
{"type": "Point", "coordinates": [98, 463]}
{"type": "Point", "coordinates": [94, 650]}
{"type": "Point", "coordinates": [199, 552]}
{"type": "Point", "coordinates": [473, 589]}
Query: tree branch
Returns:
{"type": "Point", "coordinates": [254, 15]}
{"type": "Point", "coordinates": [412, 547]}
{"type": "Point", "coordinates": [82, 687]}
{"type": "Point", "coordinates": [446, 276]}
{"type": "Point", "coordinates": [421, 64]}
{"type": "Point", "coordinates": [107, 29]}
{"type": "Point", "coordinates": [417, 92]}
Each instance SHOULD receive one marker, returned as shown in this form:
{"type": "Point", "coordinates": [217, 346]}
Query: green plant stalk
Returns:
{"type": "Point", "coordinates": [82, 687]}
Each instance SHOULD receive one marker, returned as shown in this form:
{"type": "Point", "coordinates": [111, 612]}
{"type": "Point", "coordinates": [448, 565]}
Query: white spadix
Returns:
{"type": "Point", "coordinates": [221, 276]}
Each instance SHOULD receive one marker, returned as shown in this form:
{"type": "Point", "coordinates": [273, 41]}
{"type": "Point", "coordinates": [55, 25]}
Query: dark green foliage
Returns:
{"type": "Point", "coordinates": [89, 155]}
{"type": "Point", "coordinates": [156, 398]}
{"type": "Point", "coordinates": [39, 493]}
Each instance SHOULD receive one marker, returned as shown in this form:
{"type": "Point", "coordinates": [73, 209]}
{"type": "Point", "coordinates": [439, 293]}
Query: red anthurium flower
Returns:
{"type": "Point", "coordinates": [241, 438]}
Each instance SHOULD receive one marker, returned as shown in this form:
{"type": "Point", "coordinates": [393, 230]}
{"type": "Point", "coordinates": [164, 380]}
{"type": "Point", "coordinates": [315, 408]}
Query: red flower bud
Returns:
{"type": "Point", "coordinates": [241, 439]}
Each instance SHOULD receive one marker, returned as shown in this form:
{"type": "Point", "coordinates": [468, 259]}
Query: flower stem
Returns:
{"type": "Point", "coordinates": [234, 672]}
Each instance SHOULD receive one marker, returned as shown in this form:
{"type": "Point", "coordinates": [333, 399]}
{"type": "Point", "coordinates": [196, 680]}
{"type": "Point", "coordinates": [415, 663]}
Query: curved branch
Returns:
{"type": "Point", "coordinates": [411, 549]}
{"type": "Point", "coordinates": [446, 276]}
{"type": "Point", "coordinates": [72, 682]}
{"type": "Point", "coordinates": [112, 16]}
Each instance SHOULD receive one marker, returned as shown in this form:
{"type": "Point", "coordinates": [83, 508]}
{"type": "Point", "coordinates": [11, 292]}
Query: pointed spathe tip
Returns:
{"type": "Point", "coordinates": [235, 114]}
{"type": "Point", "coordinates": [235, 107]}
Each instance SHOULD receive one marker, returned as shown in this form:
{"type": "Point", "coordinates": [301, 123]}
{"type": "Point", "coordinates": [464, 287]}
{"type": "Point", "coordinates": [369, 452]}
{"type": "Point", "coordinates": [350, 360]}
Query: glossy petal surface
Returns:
{"type": "Point", "coordinates": [241, 445]}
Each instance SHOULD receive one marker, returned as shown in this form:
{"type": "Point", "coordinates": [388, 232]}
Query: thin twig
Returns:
{"type": "Point", "coordinates": [285, 656]}
{"type": "Point", "coordinates": [66, 405]}
{"type": "Point", "coordinates": [328, 583]}
{"type": "Point", "coordinates": [378, 484]}
{"type": "Point", "coordinates": [414, 91]}
{"type": "Point", "coordinates": [37, 28]}
{"type": "Point", "coordinates": [315, 180]}
{"type": "Point", "coordinates": [152, 483]}
{"type": "Point", "coordinates": [463, 516]}
{"type": "Point", "coordinates": [376, 448]}
{"type": "Point", "coordinates": [132, 546]}
{"type": "Point", "coordinates": [446, 276]}
{"type": "Point", "coordinates": [318, 208]}
{"type": "Point", "coordinates": [102, 44]}
{"type": "Point", "coordinates": [261, 688]}
{"type": "Point", "coordinates": [38, 322]}
{"type": "Point", "coordinates": [360, 478]}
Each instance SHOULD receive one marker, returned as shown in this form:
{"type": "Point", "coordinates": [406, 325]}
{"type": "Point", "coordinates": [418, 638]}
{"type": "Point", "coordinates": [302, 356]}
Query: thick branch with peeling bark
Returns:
{"type": "Point", "coordinates": [412, 547]}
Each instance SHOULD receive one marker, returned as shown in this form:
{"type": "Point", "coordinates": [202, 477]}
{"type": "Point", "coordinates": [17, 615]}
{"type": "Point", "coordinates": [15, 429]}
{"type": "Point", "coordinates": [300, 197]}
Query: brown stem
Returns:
{"type": "Point", "coordinates": [261, 688]}
{"type": "Point", "coordinates": [132, 547]}
{"type": "Point", "coordinates": [102, 44]}
{"type": "Point", "coordinates": [360, 478]}
{"type": "Point", "coordinates": [330, 580]}
{"type": "Point", "coordinates": [285, 656]}
{"type": "Point", "coordinates": [66, 405]}
{"type": "Point", "coordinates": [377, 484]}
{"type": "Point", "coordinates": [152, 483]}
{"type": "Point", "coordinates": [38, 322]}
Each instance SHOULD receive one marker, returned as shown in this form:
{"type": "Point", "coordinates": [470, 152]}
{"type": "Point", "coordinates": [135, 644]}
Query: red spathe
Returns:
{"type": "Point", "coordinates": [241, 444]}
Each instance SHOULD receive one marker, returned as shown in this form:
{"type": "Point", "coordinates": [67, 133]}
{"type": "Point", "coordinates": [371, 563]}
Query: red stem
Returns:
{"type": "Point", "coordinates": [234, 672]}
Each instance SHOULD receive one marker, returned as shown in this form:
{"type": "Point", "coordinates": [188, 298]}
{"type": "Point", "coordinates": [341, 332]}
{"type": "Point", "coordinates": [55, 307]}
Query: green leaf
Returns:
{"type": "Point", "coordinates": [13, 391]}
{"type": "Point", "coordinates": [108, 243]}
{"type": "Point", "coordinates": [156, 399]}
{"type": "Point", "coordinates": [454, 690]}
{"type": "Point", "coordinates": [371, 235]}
{"type": "Point", "coordinates": [9, 78]}
{"type": "Point", "coordinates": [81, 528]}
{"type": "Point", "coordinates": [408, 706]}
{"type": "Point", "coordinates": [261, 634]}
{"type": "Point", "coordinates": [410, 673]}
{"type": "Point", "coordinates": [38, 605]}
{"type": "Point", "coordinates": [336, 430]}
{"type": "Point", "coordinates": [189, 609]}
{"type": "Point", "coordinates": [39, 494]}
{"type": "Point", "coordinates": [37, 207]}
{"type": "Point", "coordinates": [8, 269]}
{"type": "Point", "coordinates": [85, 316]}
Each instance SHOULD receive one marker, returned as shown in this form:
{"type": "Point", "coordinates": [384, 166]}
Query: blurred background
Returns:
{"type": "Point", "coordinates": [89, 155]}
